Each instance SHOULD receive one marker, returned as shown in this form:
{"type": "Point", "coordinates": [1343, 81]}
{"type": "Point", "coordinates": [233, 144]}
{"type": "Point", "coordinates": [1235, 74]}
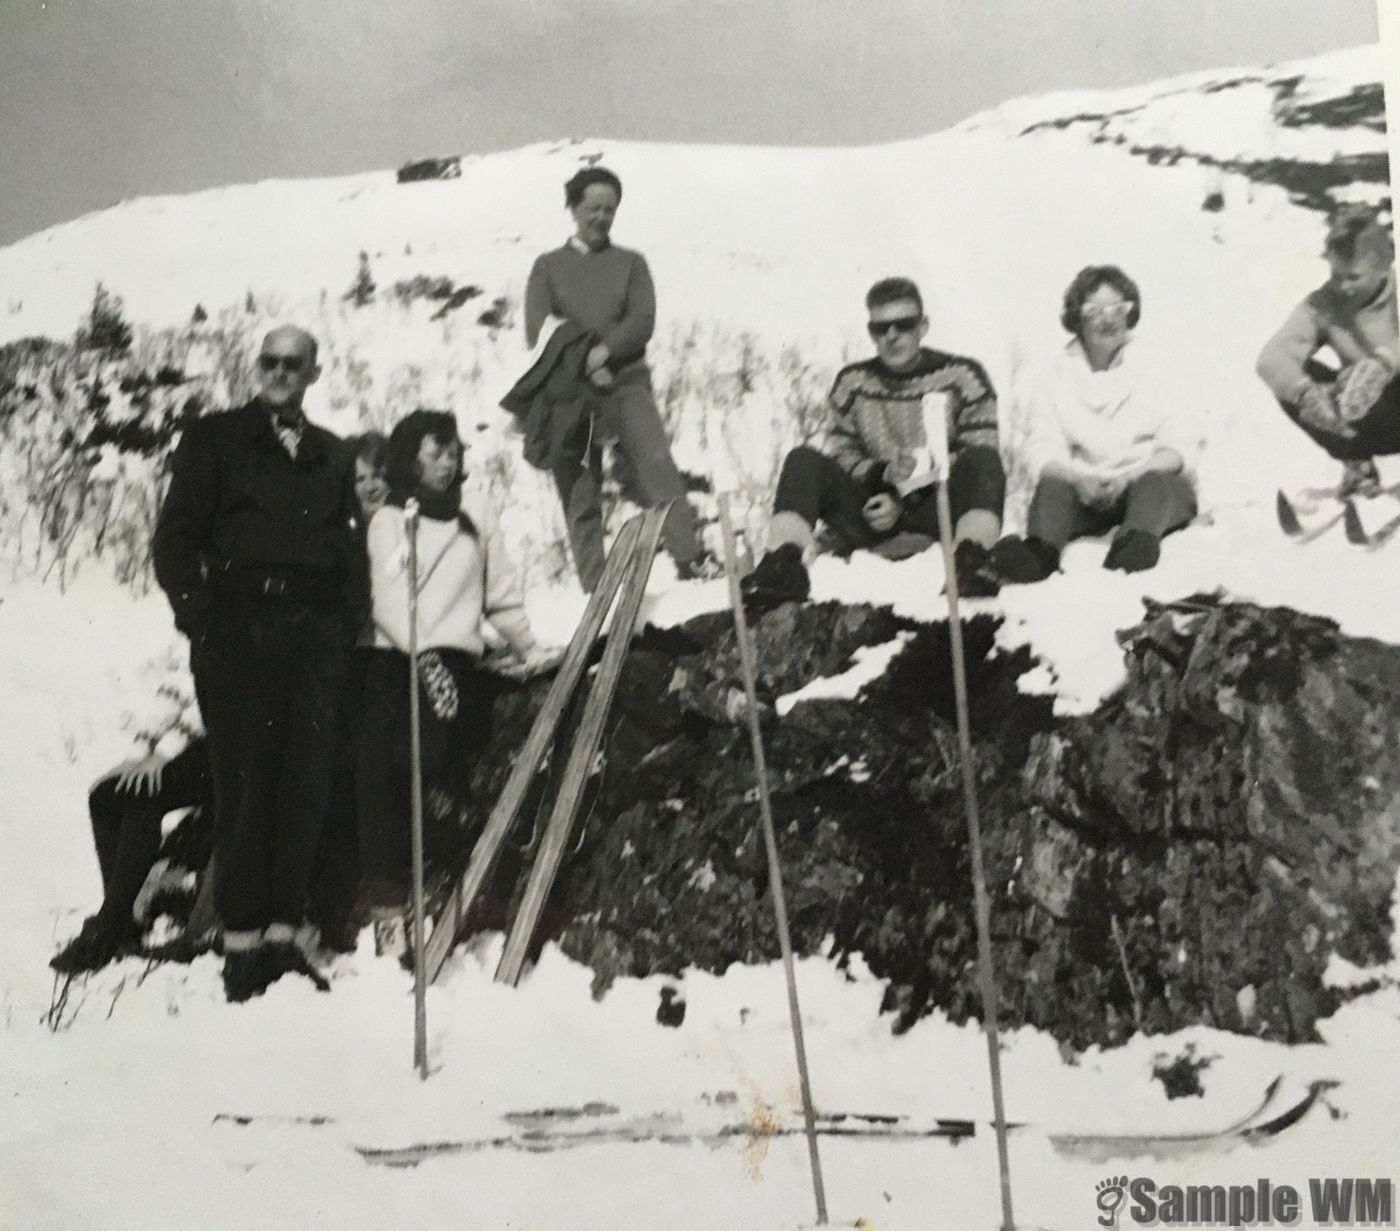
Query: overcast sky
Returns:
{"type": "Point", "coordinates": [104, 99]}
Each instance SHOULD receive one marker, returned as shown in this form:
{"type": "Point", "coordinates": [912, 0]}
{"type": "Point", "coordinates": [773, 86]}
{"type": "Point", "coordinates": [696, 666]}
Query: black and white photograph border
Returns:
{"type": "Point", "coordinates": [867, 702]}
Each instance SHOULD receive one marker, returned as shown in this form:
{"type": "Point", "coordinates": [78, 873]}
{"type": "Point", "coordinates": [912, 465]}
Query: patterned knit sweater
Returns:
{"type": "Point", "coordinates": [876, 414]}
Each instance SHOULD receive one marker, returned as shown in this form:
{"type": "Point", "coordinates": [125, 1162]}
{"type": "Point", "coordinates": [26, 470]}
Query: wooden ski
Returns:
{"type": "Point", "coordinates": [585, 748]}
{"type": "Point", "coordinates": [449, 921]}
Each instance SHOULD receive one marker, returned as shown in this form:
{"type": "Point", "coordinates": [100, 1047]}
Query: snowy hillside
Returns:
{"type": "Point", "coordinates": [143, 1101]}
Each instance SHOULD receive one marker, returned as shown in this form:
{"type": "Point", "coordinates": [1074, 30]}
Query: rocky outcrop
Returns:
{"type": "Point", "coordinates": [1193, 851]}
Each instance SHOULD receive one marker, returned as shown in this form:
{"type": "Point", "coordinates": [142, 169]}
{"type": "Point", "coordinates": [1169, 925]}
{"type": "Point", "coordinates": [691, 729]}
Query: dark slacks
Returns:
{"type": "Point", "coordinates": [331, 898]}
{"type": "Point", "coordinates": [270, 675]}
{"type": "Point", "coordinates": [1377, 435]}
{"type": "Point", "coordinates": [126, 826]}
{"type": "Point", "coordinates": [383, 766]}
{"type": "Point", "coordinates": [817, 488]}
{"type": "Point", "coordinates": [645, 470]}
{"type": "Point", "coordinates": [1157, 503]}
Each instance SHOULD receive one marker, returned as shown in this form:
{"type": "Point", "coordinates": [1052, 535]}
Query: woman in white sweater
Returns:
{"type": "Point", "coordinates": [1106, 445]}
{"type": "Point", "coordinates": [465, 580]}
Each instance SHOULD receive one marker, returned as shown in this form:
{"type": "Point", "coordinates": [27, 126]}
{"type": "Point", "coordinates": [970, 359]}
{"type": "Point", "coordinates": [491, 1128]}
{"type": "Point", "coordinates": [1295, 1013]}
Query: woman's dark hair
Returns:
{"type": "Point", "coordinates": [1086, 282]}
{"type": "Point", "coordinates": [401, 469]}
{"type": "Point", "coordinates": [582, 180]}
{"type": "Point", "coordinates": [372, 448]}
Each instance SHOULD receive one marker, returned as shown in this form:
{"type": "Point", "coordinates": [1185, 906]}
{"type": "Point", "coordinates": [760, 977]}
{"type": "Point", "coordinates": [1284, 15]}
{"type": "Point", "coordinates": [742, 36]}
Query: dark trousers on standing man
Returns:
{"type": "Point", "coordinates": [269, 675]}
{"type": "Point", "coordinates": [644, 467]}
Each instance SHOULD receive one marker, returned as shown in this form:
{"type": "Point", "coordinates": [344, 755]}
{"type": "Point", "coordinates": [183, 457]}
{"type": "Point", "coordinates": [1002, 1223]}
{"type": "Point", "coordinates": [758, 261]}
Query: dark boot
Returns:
{"type": "Point", "coordinates": [249, 973]}
{"type": "Point", "coordinates": [977, 576]}
{"type": "Point", "coordinates": [97, 943]}
{"type": "Point", "coordinates": [1021, 562]}
{"type": "Point", "coordinates": [780, 577]}
{"type": "Point", "coordinates": [1132, 551]}
{"type": "Point", "coordinates": [285, 957]}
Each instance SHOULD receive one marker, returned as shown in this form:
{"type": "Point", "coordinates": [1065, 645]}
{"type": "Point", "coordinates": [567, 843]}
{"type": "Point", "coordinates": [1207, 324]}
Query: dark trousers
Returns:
{"type": "Point", "coordinates": [383, 767]}
{"type": "Point", "coordinates": [817, 488]}
{"type": "Point", "coordinates": [270, 675]}
{"type": "Point", "coordinates": [337, 871]}
{"type": "Point", "coordinates": [1157, 503]}
{"type": "Point", "coordinates": [126, 825]}
{"type": "Point", "coordinates": [645, 470]}
{"type": "Point", "coordinates": [1377, 433]}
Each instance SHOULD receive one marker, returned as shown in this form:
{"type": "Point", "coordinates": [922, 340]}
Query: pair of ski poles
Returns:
{"type": "Point", "coordinates": [986, 970]}
{"type": "Point", "coordinates": [935, 424]}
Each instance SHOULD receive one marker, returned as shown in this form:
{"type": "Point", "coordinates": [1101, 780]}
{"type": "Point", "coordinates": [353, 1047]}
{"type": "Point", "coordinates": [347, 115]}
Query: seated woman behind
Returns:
{"type": "Point", "coordinates": [1104, 446]}
{"type": "Point", "coordinates": [465, 577]}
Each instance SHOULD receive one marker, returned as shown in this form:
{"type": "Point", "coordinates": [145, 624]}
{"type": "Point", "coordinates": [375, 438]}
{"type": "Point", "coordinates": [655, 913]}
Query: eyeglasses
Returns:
{"type": "Point", "coordinates": [287, 363]}
{"type": "Point", "coordinates": [900, 324]}
{"type": "Point", "coordinates": [1122, 307]}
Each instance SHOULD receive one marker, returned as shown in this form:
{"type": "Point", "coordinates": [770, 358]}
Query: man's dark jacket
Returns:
{"type": "Point", "coordinates": [242, 517]}
{"type": "Point", "coordinates": [555, 400]}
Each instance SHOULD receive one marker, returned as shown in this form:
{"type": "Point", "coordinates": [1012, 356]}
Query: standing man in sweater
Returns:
{"type": "Point", "coordinates": [608, 291]}
{"type": "Point", "coordinates": [257, 552]}
{"type": "Point", "coordinates": [1353, 412]}
{"type": "Point", "coordinates": [873, 486]}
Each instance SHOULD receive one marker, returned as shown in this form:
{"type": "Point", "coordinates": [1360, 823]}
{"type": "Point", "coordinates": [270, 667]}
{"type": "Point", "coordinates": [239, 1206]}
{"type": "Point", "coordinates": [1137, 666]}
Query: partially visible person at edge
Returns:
{"type": "Point", "coordinates": [859, 485]}
{"type": "Point", "coordinates": [1350, 408]}
{"type": "Point", "coordinates": [332, 902]}
{"type": "Point", "coordinates": [126, 806]}
{"type": "Point", "coordinates": [255, 549]}
{"type": "Point", "coordinates": [1106, 446]}
{"type": "Point", "coordinates": [466, 579]}
{"type": "Point", "coordinates": [608, 290]}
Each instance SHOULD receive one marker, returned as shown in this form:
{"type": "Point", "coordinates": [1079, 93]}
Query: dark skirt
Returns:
{"type": "Point", "coordinates": [454, 697]}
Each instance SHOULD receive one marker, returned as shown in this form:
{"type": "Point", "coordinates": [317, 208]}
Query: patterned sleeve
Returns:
{"type": "Point", "coordinates": [844, 442]}
{"type": "Point", "coordinates": [975, 417]}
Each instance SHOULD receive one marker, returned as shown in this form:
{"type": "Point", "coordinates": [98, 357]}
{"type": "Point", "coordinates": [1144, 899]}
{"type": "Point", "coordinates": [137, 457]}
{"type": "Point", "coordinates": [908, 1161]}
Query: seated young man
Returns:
{"type": "Point", "coordinates": [1353, 413]}
{"type": "Point", "coordinates": [865, 486]}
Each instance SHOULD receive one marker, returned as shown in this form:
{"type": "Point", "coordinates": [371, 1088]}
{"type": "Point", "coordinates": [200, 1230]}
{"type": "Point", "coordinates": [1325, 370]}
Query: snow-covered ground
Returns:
{"type": "Point", "coordinates": [124, 1105]}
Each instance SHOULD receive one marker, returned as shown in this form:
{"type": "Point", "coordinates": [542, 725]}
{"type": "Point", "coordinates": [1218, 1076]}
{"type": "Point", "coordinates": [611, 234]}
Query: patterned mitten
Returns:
{"type": "Point", "coordinates": [438, 684]}
{"type": "Point", "coordinates": [1317, 410]}
{"type": "Point", "coordinates": [1361, 387]}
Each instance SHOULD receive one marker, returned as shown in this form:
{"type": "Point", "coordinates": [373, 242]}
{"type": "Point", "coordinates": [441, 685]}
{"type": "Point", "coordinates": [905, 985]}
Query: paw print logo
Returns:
{"type": "Point", "coordinates": [1108, 1196]}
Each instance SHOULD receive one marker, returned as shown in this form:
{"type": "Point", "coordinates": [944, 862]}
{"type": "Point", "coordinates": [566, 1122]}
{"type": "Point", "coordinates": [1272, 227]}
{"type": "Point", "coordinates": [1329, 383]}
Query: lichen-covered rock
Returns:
{"type": "Point", "coordinates": [1193, 851]}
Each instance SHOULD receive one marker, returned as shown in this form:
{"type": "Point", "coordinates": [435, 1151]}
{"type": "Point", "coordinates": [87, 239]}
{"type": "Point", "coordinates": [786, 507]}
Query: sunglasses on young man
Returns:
{"type": "Point", "coordinates": [287, 363]}
{"type": "Point", "coordinates": [900, 324]}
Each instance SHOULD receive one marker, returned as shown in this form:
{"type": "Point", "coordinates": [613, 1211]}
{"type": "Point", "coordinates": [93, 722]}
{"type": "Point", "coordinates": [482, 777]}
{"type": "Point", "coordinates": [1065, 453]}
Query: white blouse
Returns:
{"type": "Point", "coordinates": [463, 580]}
{"type": "Point", "coordinates": [1102, 423]}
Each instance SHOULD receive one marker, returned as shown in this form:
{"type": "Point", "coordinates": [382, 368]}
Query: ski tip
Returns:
{"type": "Point", "coordinates": [1287, 515]}
{"type": "Point", "coordinates": [1351, 519]}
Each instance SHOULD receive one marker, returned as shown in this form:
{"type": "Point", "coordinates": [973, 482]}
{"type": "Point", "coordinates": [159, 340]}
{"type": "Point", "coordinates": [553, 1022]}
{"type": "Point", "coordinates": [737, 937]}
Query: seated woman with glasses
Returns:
{"type": "Point", "coordinates": [1104, 446]}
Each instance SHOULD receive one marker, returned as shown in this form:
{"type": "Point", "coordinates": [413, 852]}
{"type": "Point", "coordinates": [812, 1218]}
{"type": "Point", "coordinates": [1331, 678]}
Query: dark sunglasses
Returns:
{"type": "Point", "coordinates": [288, 363]}
{"type": "Point", "coordinates": [900, 324]}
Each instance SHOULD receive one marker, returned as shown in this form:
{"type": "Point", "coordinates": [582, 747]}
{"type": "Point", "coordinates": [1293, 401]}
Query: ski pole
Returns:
{"type": "Point", "coordinates": [937, 429]}
{"type": "Point", "coordinates": [770, 842]}
{"type": "Point", "coordinates": [415, 745]}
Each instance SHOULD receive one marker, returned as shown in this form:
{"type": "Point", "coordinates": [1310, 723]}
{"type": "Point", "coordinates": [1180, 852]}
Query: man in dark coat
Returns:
{"type": "Point", "coordinates": [256, 550]}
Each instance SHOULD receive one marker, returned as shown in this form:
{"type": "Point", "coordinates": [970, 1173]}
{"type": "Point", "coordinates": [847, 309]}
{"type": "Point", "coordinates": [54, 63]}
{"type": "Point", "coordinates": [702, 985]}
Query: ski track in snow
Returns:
{"type": "Point", "coordinates": [125, 1116]}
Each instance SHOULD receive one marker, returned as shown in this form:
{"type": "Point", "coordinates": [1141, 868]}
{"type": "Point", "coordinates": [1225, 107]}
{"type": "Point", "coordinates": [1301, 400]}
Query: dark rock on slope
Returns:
{"type": "Point", "coordinates": [1193, 851]}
